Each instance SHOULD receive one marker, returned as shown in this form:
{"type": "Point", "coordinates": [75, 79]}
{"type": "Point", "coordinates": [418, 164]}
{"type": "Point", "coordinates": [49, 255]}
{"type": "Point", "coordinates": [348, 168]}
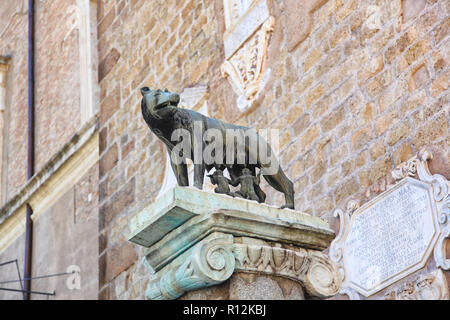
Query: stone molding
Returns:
{"type": "Point", "coordinates": [431, 286]}
{"type": "Point", "coordinates": [246, 39]}
{"type": "Point", "coordinates": [87, 31]}
{"type": "Point", "coordinates": [310, 267]}
{"type": "Point", "coordinates": [76, 143]}
{"type": "Point", "coordinates": [415, 169]}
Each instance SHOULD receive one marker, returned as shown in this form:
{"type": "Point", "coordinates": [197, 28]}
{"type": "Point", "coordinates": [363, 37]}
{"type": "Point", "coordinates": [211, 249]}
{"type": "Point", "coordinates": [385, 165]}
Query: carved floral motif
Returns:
{"type": "Point", "coordinates": [312, 268]}
{"type": "Point", "coordinates": [245, 67]}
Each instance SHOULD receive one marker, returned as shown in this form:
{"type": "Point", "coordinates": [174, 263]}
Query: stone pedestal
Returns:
{"type": "Point", "coordinates": [215, 246]}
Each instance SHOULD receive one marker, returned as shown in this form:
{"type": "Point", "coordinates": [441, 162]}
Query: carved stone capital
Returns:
{"type": "Point", "coordinates": [312, 268]}
{"type": "Point", "coordinates": [246, 39]}
{"type": "Point", "coordinates": [210, 263]}
{"type": "Point", "coordinates": [214, 260]}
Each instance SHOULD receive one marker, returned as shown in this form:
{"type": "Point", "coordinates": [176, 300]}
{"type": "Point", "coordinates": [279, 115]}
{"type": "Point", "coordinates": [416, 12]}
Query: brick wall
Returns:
{"type": "Point", "coordinates": [364, 91]}
{"type": "Point", "coordinates": [13, 42]}
{"type": "Point", "coordinates": [57, 83]}
{"type": "Point", "coordinates": [57, 77]}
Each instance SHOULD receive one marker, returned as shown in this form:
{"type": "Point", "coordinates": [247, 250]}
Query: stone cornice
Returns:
{"type": "Point", "coordinates": [49, 169]}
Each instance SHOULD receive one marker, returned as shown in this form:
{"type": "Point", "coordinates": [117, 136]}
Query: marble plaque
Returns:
{"type": "Point", "coordinates": [390, 237]}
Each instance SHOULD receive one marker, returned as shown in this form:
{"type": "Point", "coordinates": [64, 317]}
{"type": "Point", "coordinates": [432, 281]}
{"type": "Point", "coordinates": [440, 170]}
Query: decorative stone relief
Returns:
{"type": "Point", "coordinates": [401, 228]}
{"type": "Point", "coordinates": [312, 268]}
{"type": "Point", "coordinates": [432, 286]}
{"type": "Point", "coordinates": [248, 28]}
{"type": "Point", "coordinates": [210, 263]}
{"type": "Point", "coordinates": [4, 66]}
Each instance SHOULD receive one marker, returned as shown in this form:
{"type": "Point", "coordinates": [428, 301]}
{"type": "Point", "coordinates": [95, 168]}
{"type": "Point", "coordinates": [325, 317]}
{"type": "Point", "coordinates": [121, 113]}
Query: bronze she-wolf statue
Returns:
{"type": "Point", "coordinates": [161, 113]}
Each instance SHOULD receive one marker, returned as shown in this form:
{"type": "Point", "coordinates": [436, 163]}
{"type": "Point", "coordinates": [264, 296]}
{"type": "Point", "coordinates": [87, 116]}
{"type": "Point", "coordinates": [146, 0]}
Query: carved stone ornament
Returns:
{"type": "Point", "coordinates": [212, 262]}
{"type": "Point", "coordinates": [248, 28]}
{"type": "Point", "coordinates": [312, 268]}
{"type": "Point", "coordinates": [431, 286]}
{"type": "Point", "coordinates": [196, 239]}
{"type": "Point", "coordinates": [402, 227]}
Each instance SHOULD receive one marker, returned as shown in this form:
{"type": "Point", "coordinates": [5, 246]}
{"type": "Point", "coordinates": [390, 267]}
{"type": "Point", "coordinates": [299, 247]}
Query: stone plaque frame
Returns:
{"type": "Point", "coordinates": [437, 188]}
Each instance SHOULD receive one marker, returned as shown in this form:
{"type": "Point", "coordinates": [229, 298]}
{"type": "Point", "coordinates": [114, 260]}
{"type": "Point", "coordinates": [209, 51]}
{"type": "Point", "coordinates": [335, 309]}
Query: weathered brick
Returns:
{"type": "Point", "coordinates": [333, 119]}
{"type": "Point", "coordinates": [312, 59]}
{"type": "Point", "coordinates": [402, 153]}
{"type": "Point", "coordinates": [419, 77]}
{"type": "Point", "coordinates": [383, 123]}
{"type": "Point", "coordinates": [440, 84]}
{"type": "Point", "coordinates": [417, 51]}
{"type": "Point", "coordinates": [108, 63]}
{"type": "Point", "coordinates": [109, 160]}
{"type": "Point", "coordinates": [370, 69]}
{"type": "Point", "coordinates": [106, 22]}
{"type": "Point", "coordinates": [117, 204]}
{"type": "Point", "coordinates": [117, 260]}
{"type": "Point", "coordinates": [442, 30]}
{"type": "Point", "coordinates": [377, 150]}
{"type": "Point", "coordinates": [361, 138]}
{"type": "Point", "coordinates": [397, 133]}
{"type": "Point", "coordinates": [309, 137]}
{"type": "Point", "coordinates": [301, 124]}
{"type": "Point", "coordinates": [110, 105]}
{"type": "Point", "coordinates": [346, 10]}
{"type": "Point", "coordinates": [314, 95]}
{"type": "Point", "coordinates": [348, 188]}
{"type": "Point", "coordinates": [411, 8]}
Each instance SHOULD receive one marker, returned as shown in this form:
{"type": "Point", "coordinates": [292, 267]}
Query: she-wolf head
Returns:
{"type": "Point", "coordinates": [155, 102]}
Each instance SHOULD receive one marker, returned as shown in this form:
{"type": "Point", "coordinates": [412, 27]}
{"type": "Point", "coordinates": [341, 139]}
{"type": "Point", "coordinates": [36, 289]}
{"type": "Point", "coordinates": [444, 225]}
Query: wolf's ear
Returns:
{"type": "Point", "coordinates": [145, 90]}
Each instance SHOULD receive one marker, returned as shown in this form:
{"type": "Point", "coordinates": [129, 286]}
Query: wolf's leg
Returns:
{"type": "Point", "coordinates": [181, 173]}
{"type": "Point", "coordinates": [253, 196]}
{"type": "Point", "coordinates": [199, 175]}
{"type": "Point", "coordinates": [260, 193]}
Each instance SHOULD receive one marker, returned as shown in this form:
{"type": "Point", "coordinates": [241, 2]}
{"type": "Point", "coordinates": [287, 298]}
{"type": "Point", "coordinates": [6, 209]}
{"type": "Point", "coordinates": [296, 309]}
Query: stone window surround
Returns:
{"type": "Point", "coordinates": [4, 66]}
{"type": "Point", "coordinates": [89, 88]}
